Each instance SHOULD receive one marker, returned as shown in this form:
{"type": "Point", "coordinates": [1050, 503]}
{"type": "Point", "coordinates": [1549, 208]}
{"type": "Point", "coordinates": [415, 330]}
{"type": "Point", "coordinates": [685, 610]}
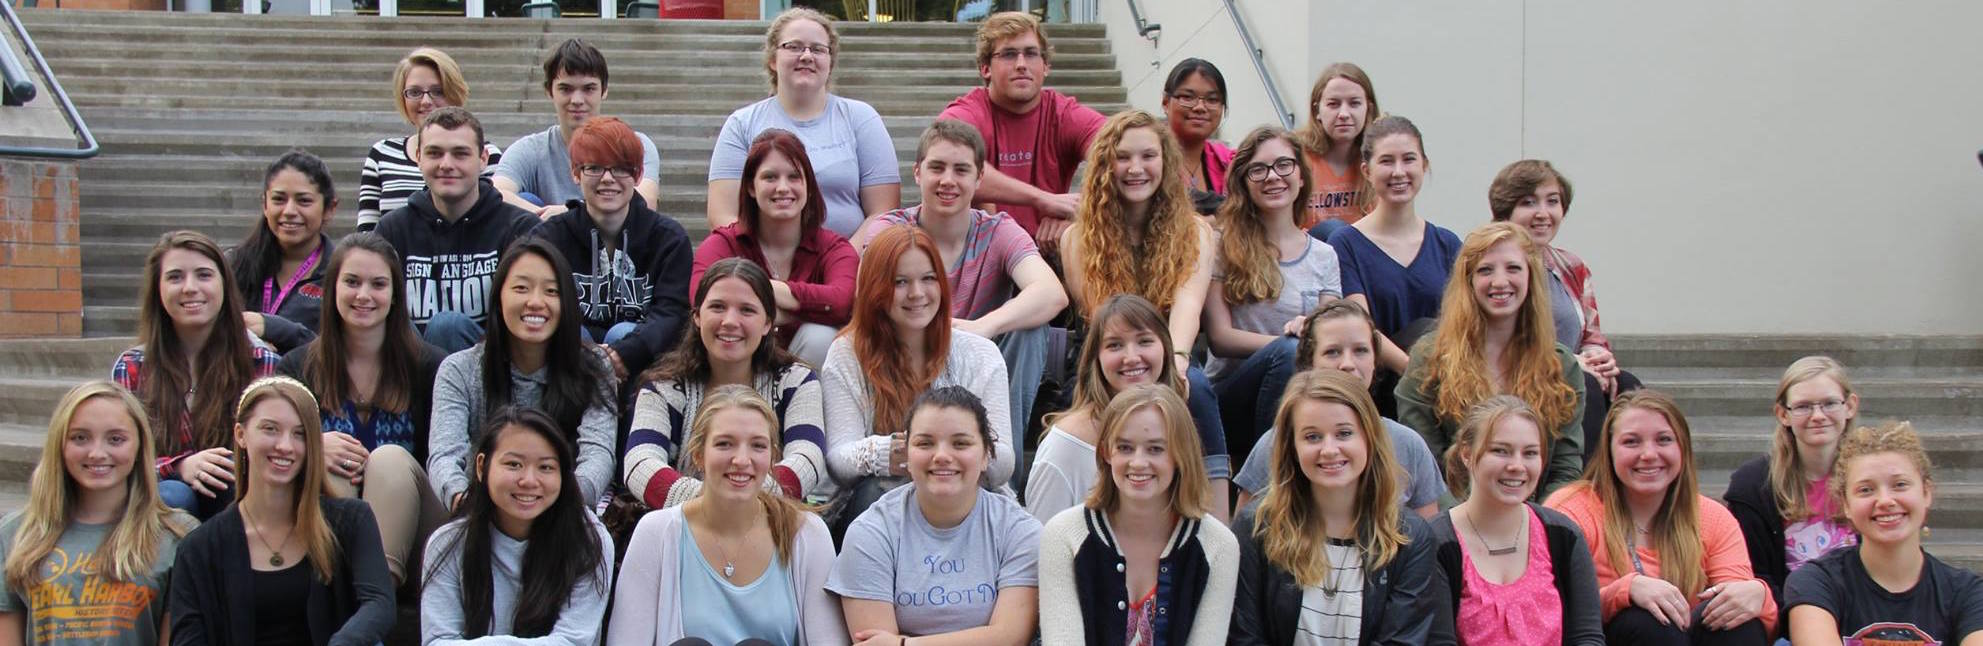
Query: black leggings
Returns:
{"type": "Point", "coordinates": [1636, 626]}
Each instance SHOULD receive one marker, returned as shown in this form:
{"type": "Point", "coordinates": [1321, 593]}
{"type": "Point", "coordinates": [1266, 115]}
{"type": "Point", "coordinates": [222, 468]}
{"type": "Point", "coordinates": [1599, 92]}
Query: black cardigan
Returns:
{"type": "Point", "coordinates": [1396, 610]}
{"type": "Point", "coordinates": [1753, 504]}
{"type": "Point", "coordinates": [212, 595]}
{"type": "Point", "coordinates": [421, 408]}
{"type": "Point", "coordinates": [1183, 574]}
{"type": "Point", "coordinates": [1569, 562]}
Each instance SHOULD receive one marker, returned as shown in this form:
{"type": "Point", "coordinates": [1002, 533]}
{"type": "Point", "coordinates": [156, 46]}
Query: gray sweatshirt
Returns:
{"type": "Point", "coordinates": [440, 596]}
{"type": "Point", "coordinates": [459, 414]}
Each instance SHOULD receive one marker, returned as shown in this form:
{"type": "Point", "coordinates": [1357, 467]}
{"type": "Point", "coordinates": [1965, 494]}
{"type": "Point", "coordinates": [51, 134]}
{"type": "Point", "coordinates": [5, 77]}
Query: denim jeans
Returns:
{"type": "Point", "coordinates": [452, 331]}
{"type": "Point", "coordinates": [1250, 392]}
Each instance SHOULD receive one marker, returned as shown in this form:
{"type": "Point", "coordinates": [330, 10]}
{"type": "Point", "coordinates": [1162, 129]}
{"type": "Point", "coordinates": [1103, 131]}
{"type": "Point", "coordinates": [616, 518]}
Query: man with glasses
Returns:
{"type": "Point", "coordinates": [450, 234]}
{"type": "Point", "coordinates": [1035, 136]}
{"type": "Point", "coordinates": [631, 265]}
{"type": "Point", "coordinates": [535, 173]}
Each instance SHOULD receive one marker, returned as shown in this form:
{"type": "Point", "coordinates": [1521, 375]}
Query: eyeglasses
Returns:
{"type": "Point", "coordinates": [1188, 100]}
{"type": "Point", "coordinates": [797, 48]}
{"type": "Point", "coordinates": [594, 171]}
{"type": "Point", "coordinates": [415, 93]}
{"type": "Point", "coordinates": [1010, 55]}
{"type": "Point", "coordinates": [1258, 172]}
{"type": "Point", "coordinates": [1829, 406]}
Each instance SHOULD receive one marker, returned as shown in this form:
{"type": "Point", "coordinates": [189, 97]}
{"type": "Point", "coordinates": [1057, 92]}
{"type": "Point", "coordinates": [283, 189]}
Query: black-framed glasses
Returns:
{"type": "Point", "coordinates": [1190, 100]}
{"type": "Point", "coordinates": [796, 47]}
{"type": "Point", "coordinates": [595, 170]}
{"type": "Point", "coordinates": [415, 93]}
{"type": "Point", "coordinates": [1829, 406]}
{"type": "Point", "coordinates": [1257, 172]}
{"type": "Point", "coordinates": [1010, 55]}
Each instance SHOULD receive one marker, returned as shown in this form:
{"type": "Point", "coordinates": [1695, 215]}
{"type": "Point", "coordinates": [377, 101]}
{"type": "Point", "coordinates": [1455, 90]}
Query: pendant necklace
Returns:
{"type": "Point", "coordinates": [275, 555]}
{"type": "Point", "coordinates": [1491, 550]}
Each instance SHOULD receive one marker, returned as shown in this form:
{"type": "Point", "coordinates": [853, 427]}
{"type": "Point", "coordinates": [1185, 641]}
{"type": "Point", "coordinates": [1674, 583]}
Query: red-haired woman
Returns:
{"type": "Point", "coordinates": [899, 345]}
{"type": "Point", "coordinates": [631, 264]}
{"type": "Point", "coordinates": [780, 218]}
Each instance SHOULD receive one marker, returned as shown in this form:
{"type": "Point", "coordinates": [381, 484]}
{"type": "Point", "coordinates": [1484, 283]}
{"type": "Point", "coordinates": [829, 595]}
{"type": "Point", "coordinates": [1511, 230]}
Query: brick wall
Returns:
{"type": "Point", "coordinates": [41, 275]}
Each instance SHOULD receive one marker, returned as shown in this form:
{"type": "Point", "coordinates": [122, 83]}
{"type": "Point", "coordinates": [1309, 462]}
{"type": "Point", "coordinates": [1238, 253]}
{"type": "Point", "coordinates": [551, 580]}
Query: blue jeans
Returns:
{"type": "Point", "coordinates": [1025, 366]}
{"type": "Point", "coordinates": [452, 331]}
{"type": "Point", "coordinates": [619, 331]}
{"type": "Point", "coordinates": [1250, 392]}
{"type": "Point", "coordinates": [1204, 405]}
{"type": "Point", "coordinates": [1322, 229]}
{"type": "Point", "coordinates": [177, 495]}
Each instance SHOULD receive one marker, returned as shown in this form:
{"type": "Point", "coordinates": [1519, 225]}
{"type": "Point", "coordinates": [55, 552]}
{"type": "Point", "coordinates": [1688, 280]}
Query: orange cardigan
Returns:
{"type": "Point", "coordinates": [1724, 555]}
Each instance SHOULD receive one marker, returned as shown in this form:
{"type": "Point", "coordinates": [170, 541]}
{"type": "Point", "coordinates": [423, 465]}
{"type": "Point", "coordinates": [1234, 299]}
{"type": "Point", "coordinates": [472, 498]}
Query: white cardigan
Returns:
{"type": "Point", "coordinates": [647, 606]}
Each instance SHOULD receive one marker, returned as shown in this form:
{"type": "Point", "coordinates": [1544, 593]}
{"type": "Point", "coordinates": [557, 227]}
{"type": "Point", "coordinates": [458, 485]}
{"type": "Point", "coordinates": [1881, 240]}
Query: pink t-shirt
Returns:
{"type": "Point", "coordinates": [1527, 610]}
{"type": "Point", "coordinates": [1040, 148]}
{"type": "Point", "coordinates": [1806, 540]}
{"type": "Point", "coordinates": [981, 279]}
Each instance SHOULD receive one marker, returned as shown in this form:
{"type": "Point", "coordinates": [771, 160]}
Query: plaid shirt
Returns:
{"type": "Point", "coordinates": [1577, 278]}
{"type": "Point", "coordinates": [129, 371]}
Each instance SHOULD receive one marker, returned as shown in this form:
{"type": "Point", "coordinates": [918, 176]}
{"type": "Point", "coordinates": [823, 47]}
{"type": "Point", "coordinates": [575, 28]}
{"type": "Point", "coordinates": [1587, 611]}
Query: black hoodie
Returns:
{"type": "Point", "coordinates": [646, 281]}
{"type": "Point", "coordinates": [451, 266]}
{"type": "Point", "coordinates": [1753, 504]}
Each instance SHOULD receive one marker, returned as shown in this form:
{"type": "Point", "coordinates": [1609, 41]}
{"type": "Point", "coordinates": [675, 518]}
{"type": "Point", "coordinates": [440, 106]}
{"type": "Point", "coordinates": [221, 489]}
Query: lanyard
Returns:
{"type": "Point", "coordinates": [271, 299]}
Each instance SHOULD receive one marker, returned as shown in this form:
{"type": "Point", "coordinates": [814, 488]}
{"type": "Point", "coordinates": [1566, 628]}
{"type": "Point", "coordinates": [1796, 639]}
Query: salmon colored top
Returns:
{"type": "Point", "coordinates": [1724, 556]}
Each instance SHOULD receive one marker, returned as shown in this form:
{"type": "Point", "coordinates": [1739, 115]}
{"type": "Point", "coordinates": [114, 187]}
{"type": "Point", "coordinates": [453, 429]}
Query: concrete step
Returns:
{"type": "Point", "coordinates": [930, 99]}
{"type": "Point", "coordinates": [384, 57]}
{"type": "Point", "coordinates": [27, 400]}
{"type": "Point", "coordinates": [379, 122]}
{"type": "Point", "coordinates": [61, 358]}
{"type": "Point", "coordinates": [683, 202]}
{"type": "Point", "coordinates": [109, 321]}
{"type": "Point", "coordinates": [194, 100]}
{"type": "Point", "coordinates": [851, 81]}
{"type": "Point", "coordinates": [586, 27]}
{"type": "Point", "coordinates": [469, 36]}
{"type": "Point", "coordinates": [241, 160]}
{"type": "Point", "coordinates": [1880, 397]}
{"type": "Point", "coordinates": [1778, 351]}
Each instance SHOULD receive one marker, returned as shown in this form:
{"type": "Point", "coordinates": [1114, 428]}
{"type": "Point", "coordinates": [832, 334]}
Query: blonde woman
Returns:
{"type": "Point", "coordinates": [1329, 556]}
{"type": "Point", "coordinates": [426, 80]}
{"type": "Point", "coordinates": [287, 563]}
{"type": "Point", "coordinates": [92, 500]}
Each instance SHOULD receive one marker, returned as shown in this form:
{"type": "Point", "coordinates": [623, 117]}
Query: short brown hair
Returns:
{"type": "Point", "coordinates": [454, 86]}
{"type": "Point", "coordinates": [453, 118]}
{"type": "Point", "coordinates": [1519, 180]}
{"type": "Point", "coordinates": [577, 58]}
{"type": "Point", "coordinates": [1007, 25]}
{"type": "Point", "coordinates": [956, 132]}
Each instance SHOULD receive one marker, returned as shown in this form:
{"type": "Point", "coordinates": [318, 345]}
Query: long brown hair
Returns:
{"type": "Point", "coordinates": [1289, 521]}
{"type": "Point", "coordinates": [1170, 250]}
{"type": "Point", "coordinates": [227, 363]}
{"type": "Point", "coordinates": [784, 515]}
{"type": "Point", "coordinates": [1457, 363]}
{"type": "Point", "coordinates": [1091, 388]}
{"type": "Point", "coordinates": [323, 362]}
{"type": "Point", "coordinates": [1675, 531]}
{"type": "Point", "coordinates": [892, 382]}
{"type": "Point", "coordinates": [780, 142]}
{"type": "Point", "coordinates": [689, 361]}
{"type": "Point", "coordinates": [1786, 468]}
{"type": "Point", "coordinates": [132, 546]}
{"type": "Point", "coordinates": [319, 543]}
{"type": "Point", "coordinates": [1250, 261]}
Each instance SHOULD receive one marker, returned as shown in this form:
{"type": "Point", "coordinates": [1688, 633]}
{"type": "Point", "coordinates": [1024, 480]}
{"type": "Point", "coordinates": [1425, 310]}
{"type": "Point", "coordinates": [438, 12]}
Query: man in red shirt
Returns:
{"type": "Point", "coordinates": [1035, 136]}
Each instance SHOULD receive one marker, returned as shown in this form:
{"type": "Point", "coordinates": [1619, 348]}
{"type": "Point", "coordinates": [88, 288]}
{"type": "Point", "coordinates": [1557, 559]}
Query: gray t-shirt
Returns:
{"type": "Point", "coordinates": [1304, 282]}
{"type": "Point", "coordinates": [1423, 487]}
{"type": "Point", "coordinates": [74, 605]}
{"type": "Point", "coordinates": [848, 145]}
{"type": "Point", "coordinates": [540, 164]}
{"type": "Point", "coordinates": [940, 580]}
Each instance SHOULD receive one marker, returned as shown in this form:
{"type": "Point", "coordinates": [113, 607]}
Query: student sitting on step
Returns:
{"type": "Point", "coordinates": [1194, 106]}
{"type": "Point", "coordinates": [1341, 104]}
{"type": "Point", "coordinates": [93, 499]}
{"type": "Point", "coordinates": [189, 316]}
{"type": "Point", "coordinates": [1886, 589]}
{"type": "Point", "coordinates": [1000, 287]}
{"type": "Point", "coordinates": [902, 343]}
{"type": "Point", "coordinates": [1035, 136]}
{"type": "Point", "coordinates": [280, 267]}
{"type": "Point", "coordinates": [535, 173]}
{"type": "Point", "coordinates": [374, 379]}
{"type": "Point", "coordinates": [287, 563]}
{"type": "Point", "coordinates": [426, 80]}
{"type": "Point", "coordinates": [545, 562]}
{"type": "Point", "coordinates": [450, 235]}
{"type": "Point", "coordinates": [632, 264]}
{"type": "Point", "coordinates": [853, 157]}
{"type": "Point", "coordinates": [780, 226]}
{"type": "Point", "coordinates": [726, 343]}
{"type": "Point", "coordinates": [1783, 498]}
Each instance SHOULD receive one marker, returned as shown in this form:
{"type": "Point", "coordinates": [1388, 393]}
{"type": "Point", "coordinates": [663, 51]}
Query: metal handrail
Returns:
{"type": "Point", "coordinates": [89, 148]}
{"type": "Point", "coordinates": [1143, 26]}
{"type": "Point", "coordinates": [1259, 63]}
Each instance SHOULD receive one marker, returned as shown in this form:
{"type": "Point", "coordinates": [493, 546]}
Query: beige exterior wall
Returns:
{"type": "Point", "coordinates": [1759, 167]}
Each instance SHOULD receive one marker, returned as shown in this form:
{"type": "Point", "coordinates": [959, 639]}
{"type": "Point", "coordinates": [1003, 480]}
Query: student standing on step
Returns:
{"type": "Point", "coordinates": [93, 499]}
{"type": "Point", "coordinates": [535, 173]}
{"type": "Point", "coordinates": [1671, 566]}
{"type": "Point", "coordinates": [374, 379]}
{"type": "Point", "coordinates": [194, 355]}
{"type": "Point", "coordinates": [853, 157]}
{"type": "Point", "coordinates": [632, 264]}
{"type": "Point", "coordinates": [737, 561]}
{"type": "Point", "coordinates": [1340, 105]}
{"type": "Point", "coordinates": [281, 265]}
{"type": "Point", "coordinates": [1783, 498]}
{"type": "Point", "coordinates": [287, 563]}
{"type": "Point", "coordinates": [781, 227]}
{"type": "Point", "coordinates": [524, 561]}
{"type": "Point", "coordinates": [1887, 589]}
{"type": "Point", "coordinates": [1036, 136]}
{"type": "Point", "coordinates": [450, 235]}
{"type": "Point", "coordinates": [1000, 287]}
{"type": "Point", "coordinates": [426, 80]}
{"type": "Point", "coordinates": [533, 357]}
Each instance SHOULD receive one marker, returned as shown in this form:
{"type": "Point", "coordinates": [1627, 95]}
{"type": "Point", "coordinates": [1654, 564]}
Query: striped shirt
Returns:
{"type": "Point", "coordinates": [389, 177]}
{"type": "Point", "coordinates": [656, 471]}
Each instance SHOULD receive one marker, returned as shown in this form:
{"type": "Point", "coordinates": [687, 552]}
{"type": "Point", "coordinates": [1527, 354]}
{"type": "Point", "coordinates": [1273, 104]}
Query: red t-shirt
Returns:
{"type": "Point", "coordinates": [1041, 147]}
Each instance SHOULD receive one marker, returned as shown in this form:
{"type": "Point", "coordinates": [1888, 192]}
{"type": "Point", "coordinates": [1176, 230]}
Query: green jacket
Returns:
{"type": "Point", "coordinates": [1415, 409]}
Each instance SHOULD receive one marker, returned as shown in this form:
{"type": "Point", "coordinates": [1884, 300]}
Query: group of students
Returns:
{"type": "Point", "coordinates": [566, 425]}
